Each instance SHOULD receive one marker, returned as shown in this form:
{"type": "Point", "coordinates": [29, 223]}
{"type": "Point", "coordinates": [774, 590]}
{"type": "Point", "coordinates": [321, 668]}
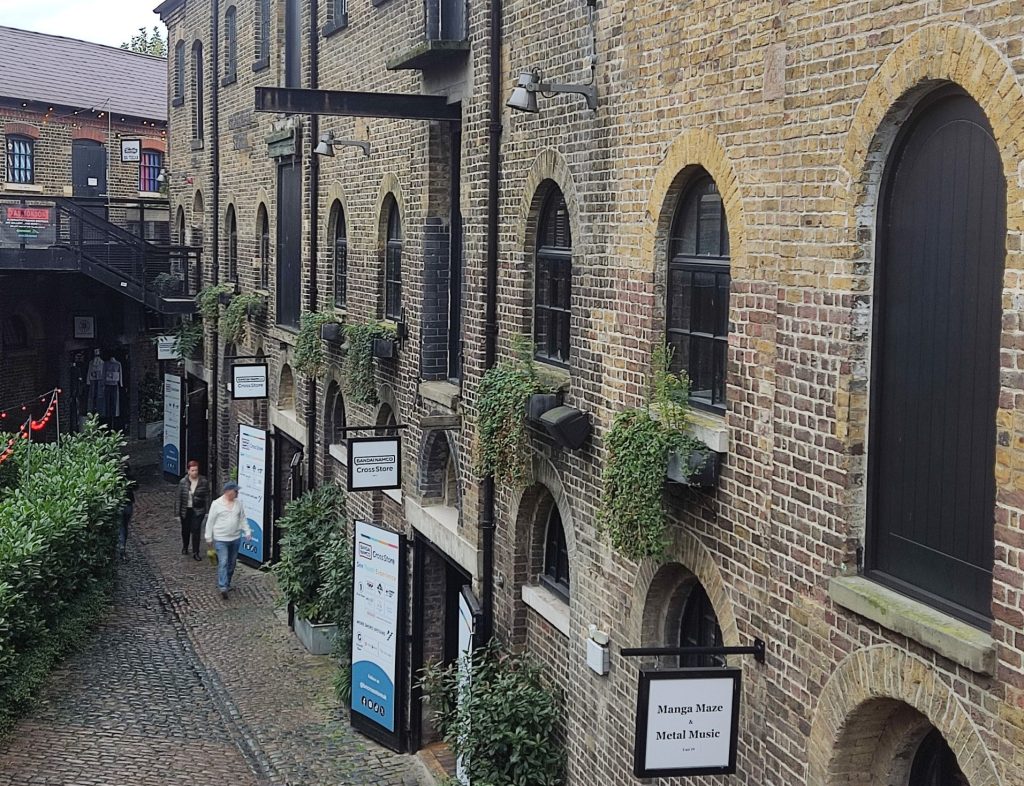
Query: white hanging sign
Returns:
{"type": "Point", "coordinates": [131, 151]}
{"type": "Point", "coordinates": [167, 348]}
{"type": "Point", "coordinates": [374, 463]}
{"type": "Point", "coordinates": [172, 425]}
{"type": "Point", "coordinates": [249, 381]}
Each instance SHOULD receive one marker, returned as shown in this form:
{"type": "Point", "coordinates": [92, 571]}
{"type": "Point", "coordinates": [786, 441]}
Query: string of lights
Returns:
{"type": "Point", "coordinates": [26, 406]}
{"type": "Point", "coordinates": [31, 424]}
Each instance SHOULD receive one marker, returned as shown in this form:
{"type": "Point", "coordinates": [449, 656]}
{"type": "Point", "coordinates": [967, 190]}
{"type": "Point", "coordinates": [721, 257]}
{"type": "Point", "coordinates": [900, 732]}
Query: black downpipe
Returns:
{"type": "Point", "coordinates": [491, 300]}
{"type": "Point", "coordinates": [215, 172]}
{"type": "Point", "coordinates": [314, 225]}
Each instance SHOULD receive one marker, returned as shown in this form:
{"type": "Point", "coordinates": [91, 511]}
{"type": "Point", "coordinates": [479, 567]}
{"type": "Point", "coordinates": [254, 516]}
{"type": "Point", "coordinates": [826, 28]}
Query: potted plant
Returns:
{"type": "Point", "coordinates": [332, 332]}
{"type": "Point", "coordinates": [168, 284]}
{"type": "Point", "coordinates": [360, 338]}
{"type": "Point", "coordinates": [308, 549]}
{"type": "Point", "coordinates": [383, 348]}
{"type": "Point", "coordinates": [234, 324]}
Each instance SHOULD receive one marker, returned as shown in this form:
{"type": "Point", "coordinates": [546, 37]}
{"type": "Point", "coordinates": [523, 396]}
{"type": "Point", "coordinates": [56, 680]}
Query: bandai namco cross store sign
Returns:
{"type": "Point", "coordinates": [374, 463]}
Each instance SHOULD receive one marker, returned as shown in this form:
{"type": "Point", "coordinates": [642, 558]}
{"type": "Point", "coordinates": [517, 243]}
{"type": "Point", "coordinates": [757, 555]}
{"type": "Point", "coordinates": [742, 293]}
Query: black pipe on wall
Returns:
{"type": "Point", "coordinates": [215, 173]}
{"type": "Point", "coordinates": [314, 225]}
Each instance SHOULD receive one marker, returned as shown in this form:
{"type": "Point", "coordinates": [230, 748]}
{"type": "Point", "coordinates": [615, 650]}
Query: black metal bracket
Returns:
{"type": "Point", "coordinates": [757, 650]}
{"type": "Point", "coordinates": [372, 428]}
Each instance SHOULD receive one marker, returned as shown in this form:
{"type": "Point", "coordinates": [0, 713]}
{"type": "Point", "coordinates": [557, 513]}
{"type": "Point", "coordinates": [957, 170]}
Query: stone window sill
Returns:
{"type": "Point", "coordinates": [26, 188]}
{"type": "Point", "coordinates": [395, 495]}
{"type": "Point", "coordinates": [262, 63]}
{"type": "Point", "coordinates": [230, 79]}
{"type": "Point", "coordinates": [335, 26]}
{"type": "Point", "coordinates": [554, 377]}
{"type": "Point", "coordinates": [549, 606]}
{"type": "Point", "coordinates": [197, 144]}
{"type": "Point", "coordinates": [339, 453]}
{"type": "Point", "coordinates": [444, 393]}
{"type": "Point", "coordinates": [150, 195]}
{"type": "Point", "coordinates": [178, 101]}
{"type": "Point", "coordinates": [961, 643]}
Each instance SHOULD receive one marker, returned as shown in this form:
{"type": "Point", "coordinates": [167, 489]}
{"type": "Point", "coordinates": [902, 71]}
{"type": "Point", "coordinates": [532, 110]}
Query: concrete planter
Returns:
{"type": "Point", "coordinates": [697, 469]}
{"type": "Point", "coordinates": [317, 639]}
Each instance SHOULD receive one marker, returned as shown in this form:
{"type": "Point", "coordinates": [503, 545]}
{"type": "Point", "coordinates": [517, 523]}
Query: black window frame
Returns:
{"type": "Point", "coordinates": [337, 17]}
{"type": "Point", "coordinates": [556, 575]}
{"type": "Point", "coordinates": [695, 628]}
{"type": "Point", "coordinates": [149, 172]}
{"type": "Point", "coordinates": [552, 268]}
{"type": "Point", "coordinates": [263, 238]}
{"type": "Point", "coordinates": [198, 110]}
{"type": "Point", "coordinates": [27, 157]}
{"type": "Point", "coordinates": [232, 242]}
{"type": "Point", "coordinates": [686, 265]}
{"type": "Point", "coordinates": [230, 46]}
{"type": "Point", "coordinates": [393, 265]}
{"type": "Point", "coordinates": [262, 29]}
{"type": "Point", "coordinates": [178, 99]}
{"type": "Point", "coordinates": [339, 255]}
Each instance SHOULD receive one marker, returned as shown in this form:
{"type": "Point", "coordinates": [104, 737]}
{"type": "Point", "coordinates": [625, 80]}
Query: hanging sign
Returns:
{"type": "Point", "coordinates": [172, 425]}
{"type": "Point", "coordinates": [252, 488]}
{"type": "Point", "coordinates": [376, 626]}
{"type": "Point", "coordinates": [249, 381]}
{"type": "Point", "coordinates": [374, 463]}
{"type": "Point", "coordinates": [686, 722]}
{"type": "Point", "coordinates": [28, 225]}
{"type": "Point", "coordinates": [131, 151]}
{"type": "Point", "coordinates": [167, 348]}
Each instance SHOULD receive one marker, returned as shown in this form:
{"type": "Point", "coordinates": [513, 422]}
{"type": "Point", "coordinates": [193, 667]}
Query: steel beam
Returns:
{"type": "Point", "coordinates": [342, 103]}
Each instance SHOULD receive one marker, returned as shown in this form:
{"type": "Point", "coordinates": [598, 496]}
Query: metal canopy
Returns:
{"type": "Point", "coordinates": [296, 101]}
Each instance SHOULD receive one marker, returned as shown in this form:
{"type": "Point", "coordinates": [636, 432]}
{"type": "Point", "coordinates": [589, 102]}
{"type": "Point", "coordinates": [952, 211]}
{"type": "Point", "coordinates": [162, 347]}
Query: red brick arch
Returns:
{"type": "Point", "coordinates": [21, 129]}
{"type": "Point", "coordinates": [92, 134]}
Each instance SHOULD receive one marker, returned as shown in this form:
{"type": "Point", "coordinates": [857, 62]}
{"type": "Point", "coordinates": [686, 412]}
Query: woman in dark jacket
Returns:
{"type": "Point", "coordinates": [191, 505]}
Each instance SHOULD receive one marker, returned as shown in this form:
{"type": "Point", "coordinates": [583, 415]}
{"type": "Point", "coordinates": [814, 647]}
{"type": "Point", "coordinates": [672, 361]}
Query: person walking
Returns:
{"type": "Point", "coordinates": [191, 505]}
{"type": "Point", "coordinates": [225, 525]}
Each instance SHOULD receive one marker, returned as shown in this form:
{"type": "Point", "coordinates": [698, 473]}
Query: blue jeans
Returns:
{"type": "Point", "coordinates": [227, 556]}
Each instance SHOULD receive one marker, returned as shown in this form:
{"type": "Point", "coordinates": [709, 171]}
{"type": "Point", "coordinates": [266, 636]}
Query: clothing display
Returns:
{"type": "Point", "coordinates": [112, 385]}
{"type": "Point", "coordinates": [94, 380]}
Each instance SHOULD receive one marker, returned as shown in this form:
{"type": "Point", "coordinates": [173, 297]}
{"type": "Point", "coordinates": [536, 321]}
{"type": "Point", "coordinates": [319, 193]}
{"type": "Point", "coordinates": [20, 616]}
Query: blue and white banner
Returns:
{"type": "Point", "coordinates": [172, 425]}
{"type": "Point", "coordinates": [252, 487]}
{"type": "Point", "coordinates": [375, 624]}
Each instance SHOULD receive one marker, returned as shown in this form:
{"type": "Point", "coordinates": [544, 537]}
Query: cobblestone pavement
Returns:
{"type": "Point", "coordinates": [182, 687]}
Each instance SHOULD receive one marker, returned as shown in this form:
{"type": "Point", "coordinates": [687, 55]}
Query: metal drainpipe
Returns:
{"type": "Point", "coordinates": [491, 299]}
{"type": "Point", "coordinates": [314, 225]}
{"type": "Point", "coordinates": [215, 169]}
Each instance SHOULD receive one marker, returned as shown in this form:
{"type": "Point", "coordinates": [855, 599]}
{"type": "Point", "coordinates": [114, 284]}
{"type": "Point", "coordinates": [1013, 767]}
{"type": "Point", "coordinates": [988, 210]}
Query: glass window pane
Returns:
{"type": "Point", "coordinates": [722, 328]}
{"type": "Point", "coordinates": [710, 233]}
{"type": "Point", "coordinates": [680, 344]}
{"type": "Point", "coordinates": [563, 348]}
{"type": "Point", "coordinates": [543, 283]}
{"type": "Point", "coordinates": [721, 354]}
{"type": "Point", "coordinates": [702, 367]}
{"type": "Point", "coordinates": [685, 241]}
{"type": "Point", "coordinates": [705, 317]}
{"type": "Point", "coordinates": [563, 285]}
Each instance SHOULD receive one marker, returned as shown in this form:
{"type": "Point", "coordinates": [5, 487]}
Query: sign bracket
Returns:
{"type": "Point", "coordinates": [757, 650]}
{"type": "Point", "coordinates": [372, 428]}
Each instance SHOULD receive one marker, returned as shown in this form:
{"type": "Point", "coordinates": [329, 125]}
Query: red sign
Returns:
{"type": "Point", "coordinates": [27, 225]}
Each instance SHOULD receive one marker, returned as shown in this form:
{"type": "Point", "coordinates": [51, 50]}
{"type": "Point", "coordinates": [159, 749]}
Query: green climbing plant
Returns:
{"type": "Point", "coordinates": [234, 324]}
{"type": "Point", "coordinates": [501, 399]}
{"type": "Point", "coordinates": [188, 336]}
{"type": "Point", "coordinates": [640, 444]}
{"type": "Point", "coordinates": [208, 301]}
{"type": "Point", "coordinates": [310, 352]}
{"type": "Point", "coordinates": [358, 378]}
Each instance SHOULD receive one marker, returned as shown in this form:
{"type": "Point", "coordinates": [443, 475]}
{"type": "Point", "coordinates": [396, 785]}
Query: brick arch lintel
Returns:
{"type": "Point", "coordinates": [887, 672]}
{"type": "Point", "coordinates": [684, 549]}
{"type": "Point", "coordinates": [90, 134]}
{"type": "Point", "coordinates": [150, 143]}
{"type": "Point", "coordinates": [549, 165]}
{"type": "Point", "coordinates": [21, 129]}
{"type": "Point", "coordinates": [390, 185]}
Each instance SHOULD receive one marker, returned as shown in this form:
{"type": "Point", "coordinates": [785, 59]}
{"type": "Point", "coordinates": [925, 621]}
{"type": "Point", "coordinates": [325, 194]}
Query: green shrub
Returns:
{"type": "Point", "coordinates": [311, 524]}
{"type": "Point", "coordinates": [58, 528]}
{"type": "Point", "coordinates": [234, 324]}
{"type": "Point", "coordinates": [360, 385]}
{"type": "Point", "coordinates": [507, 722]}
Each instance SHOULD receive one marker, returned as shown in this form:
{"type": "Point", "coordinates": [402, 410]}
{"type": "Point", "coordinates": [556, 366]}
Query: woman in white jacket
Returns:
{"type": "Point", "coordinates": [225, 525]}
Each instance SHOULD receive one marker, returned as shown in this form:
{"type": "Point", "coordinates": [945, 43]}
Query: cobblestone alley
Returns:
{"type": "Point", "coordinates": [181, 687]}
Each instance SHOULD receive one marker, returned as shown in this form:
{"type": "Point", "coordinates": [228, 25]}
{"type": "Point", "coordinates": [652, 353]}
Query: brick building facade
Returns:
{"type": "Point", "coordinates": [62, 132]}
{"type": "Point", "coordinates": [781, 129]}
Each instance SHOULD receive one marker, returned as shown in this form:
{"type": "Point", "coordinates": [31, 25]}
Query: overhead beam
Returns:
{"type": "Point", "coordinates": [343, 103]}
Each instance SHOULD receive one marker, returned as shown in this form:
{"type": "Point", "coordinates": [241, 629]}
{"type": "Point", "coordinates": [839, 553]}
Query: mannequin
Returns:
{"type": "Point", "coordinates": [94, 379]}
{"type": "Point", "coordinates": [112, 384]}
{"type": "Point", "coordinates": [76, 388]}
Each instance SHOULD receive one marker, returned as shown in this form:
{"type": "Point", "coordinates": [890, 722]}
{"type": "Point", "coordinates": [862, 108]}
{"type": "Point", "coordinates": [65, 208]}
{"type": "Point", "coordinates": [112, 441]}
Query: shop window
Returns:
{"type": "Point", "coordinates": [339, 252]}
{"type": "Point", "coordinates": [699, 627]}
{"type": "Point", "coordinates": [263, 238]}
{"type": "Point", "coordinates": [393, 265]}
{"type": "Point", "coordinates": [149, 170]}
{"type": "Point", "coordinates": [556, 556]}
{"type": "Point", "coordinates": [553, 281]}
{"type": "Point", "coordinates": [20, 160]}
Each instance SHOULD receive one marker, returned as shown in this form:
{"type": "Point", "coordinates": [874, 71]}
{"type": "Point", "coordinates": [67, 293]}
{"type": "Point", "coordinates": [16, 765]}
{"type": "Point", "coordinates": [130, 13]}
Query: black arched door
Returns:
{"type": "Point", "coordinates": [935, 360]}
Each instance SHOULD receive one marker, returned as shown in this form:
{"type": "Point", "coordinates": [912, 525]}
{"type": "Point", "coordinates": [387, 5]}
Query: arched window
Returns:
{"type": "Point", "coordinates": [263, 238]}
{"type": "Point", "coordinates": [339, 250]}
{"type": "Point", "coordinates": [339, 13]}
{"type": "Point", "coordinates": [935, 764]}
{"type": "Point", "coordinates": [197, 91]}
{"type": "Point", "coordinates": [393, 265]}
{"type": "Point", "coordinates": [179, 227]}
{"type": "Point", "coordinates": [335, 414]}
{"type": "Point", "coordinates": [13, 334]}
{"type": "Point", "coordinates": [21, 166]}
{"type": "Point", "coordinates": [179, 74]}
{"type": "Point", "coordinates": [385, 419]}
{"type": "Point", "coordinates": [556, 556]}
{"type": "Point", "coordinates": [286, 389]}
{"type": "Point", "coordinates": [553, 297]}
{"type": "Point", "coordinates": [230, 46]}
{"type": "Point", "coordinates": [935, 359]}
{"type": "Point", "coordinates": [232, 239]}
{"type": "Point", "coordinates": [262, 35]}
{"type": "Point", "coordinates": [698, 291]}
{"type": "Point", "coordinates": [699, 627]}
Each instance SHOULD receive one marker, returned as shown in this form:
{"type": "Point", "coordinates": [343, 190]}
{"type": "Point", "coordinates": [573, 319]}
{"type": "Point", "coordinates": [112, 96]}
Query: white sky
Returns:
{"type": "Point", "coordinates": [103, 21]}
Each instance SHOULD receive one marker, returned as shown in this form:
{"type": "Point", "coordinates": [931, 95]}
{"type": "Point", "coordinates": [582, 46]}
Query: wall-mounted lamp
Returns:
{"type": "Point", "coordinates": [328, 143]}
{"type": "Point", "coordinates": [524, 96]}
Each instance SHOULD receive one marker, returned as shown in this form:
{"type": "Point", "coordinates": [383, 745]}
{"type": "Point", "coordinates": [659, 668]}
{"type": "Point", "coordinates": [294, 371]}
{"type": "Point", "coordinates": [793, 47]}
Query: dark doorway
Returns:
{"type": "Point", "coordinates": [287, 482]}
{"type": "Point", "coordinates": [289, 244]}
{"type": "Point", "coordinates": [196, 427]}
{"type": "Point", "coordinates": [88, 168]}
{"type": "Point", "coordinates": [935, 360]}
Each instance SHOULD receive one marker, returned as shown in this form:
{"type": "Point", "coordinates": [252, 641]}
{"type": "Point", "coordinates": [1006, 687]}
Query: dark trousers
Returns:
{"type": "Point", "coordinates": [190, 524]}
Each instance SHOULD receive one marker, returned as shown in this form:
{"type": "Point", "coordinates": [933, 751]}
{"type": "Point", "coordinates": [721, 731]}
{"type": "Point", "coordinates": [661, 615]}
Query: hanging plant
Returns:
{"type": "Point", "coordinates": [188, 337]}
{"type": "Point", "coordinates": [310, 353]}
{"type": "Point", "coordinates": [639, 448]}
{"type": "Point", "coordinates": [208, 301]}
{"type": "Point", "coordinates": [502, 447]}
{"type": "Point", "coordinates": [234, 324]}
{"type": "Point", "coordinates": [359, 382]}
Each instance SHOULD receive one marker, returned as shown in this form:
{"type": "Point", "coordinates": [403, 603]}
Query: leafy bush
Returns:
{"type": "Point", "coordinates": [151, 398]}
{"type": "Point", "coordinates": [337, 603]}
{"type": "Point", "coordinates": [58, 528]}
{"type": "Point", "coordinates": [503, 446]}
{"type": "Point", "coordinates": [310, 354]}
{"type": "Point", "coordinates": [311, 525]}
{"type": "Point", "coordinates": [234, 324]}
{"type": "Point", "coordinates": [506, 724]}
{"type": "Point", "coordinates": [188, 337]}
{"type": "Point", "coordinates": [360, 385]}
{"type": "Point", "coordinates": [208, 301]}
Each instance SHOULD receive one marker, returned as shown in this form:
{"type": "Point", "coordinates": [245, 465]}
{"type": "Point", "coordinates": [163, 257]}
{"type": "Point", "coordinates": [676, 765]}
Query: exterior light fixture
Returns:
{"type": "Point", "coordinates": [524, 96]}
{"type": "Point", "coordinates": [162, 177]}
{"type": "Point", "coordinates": [328, 143]}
